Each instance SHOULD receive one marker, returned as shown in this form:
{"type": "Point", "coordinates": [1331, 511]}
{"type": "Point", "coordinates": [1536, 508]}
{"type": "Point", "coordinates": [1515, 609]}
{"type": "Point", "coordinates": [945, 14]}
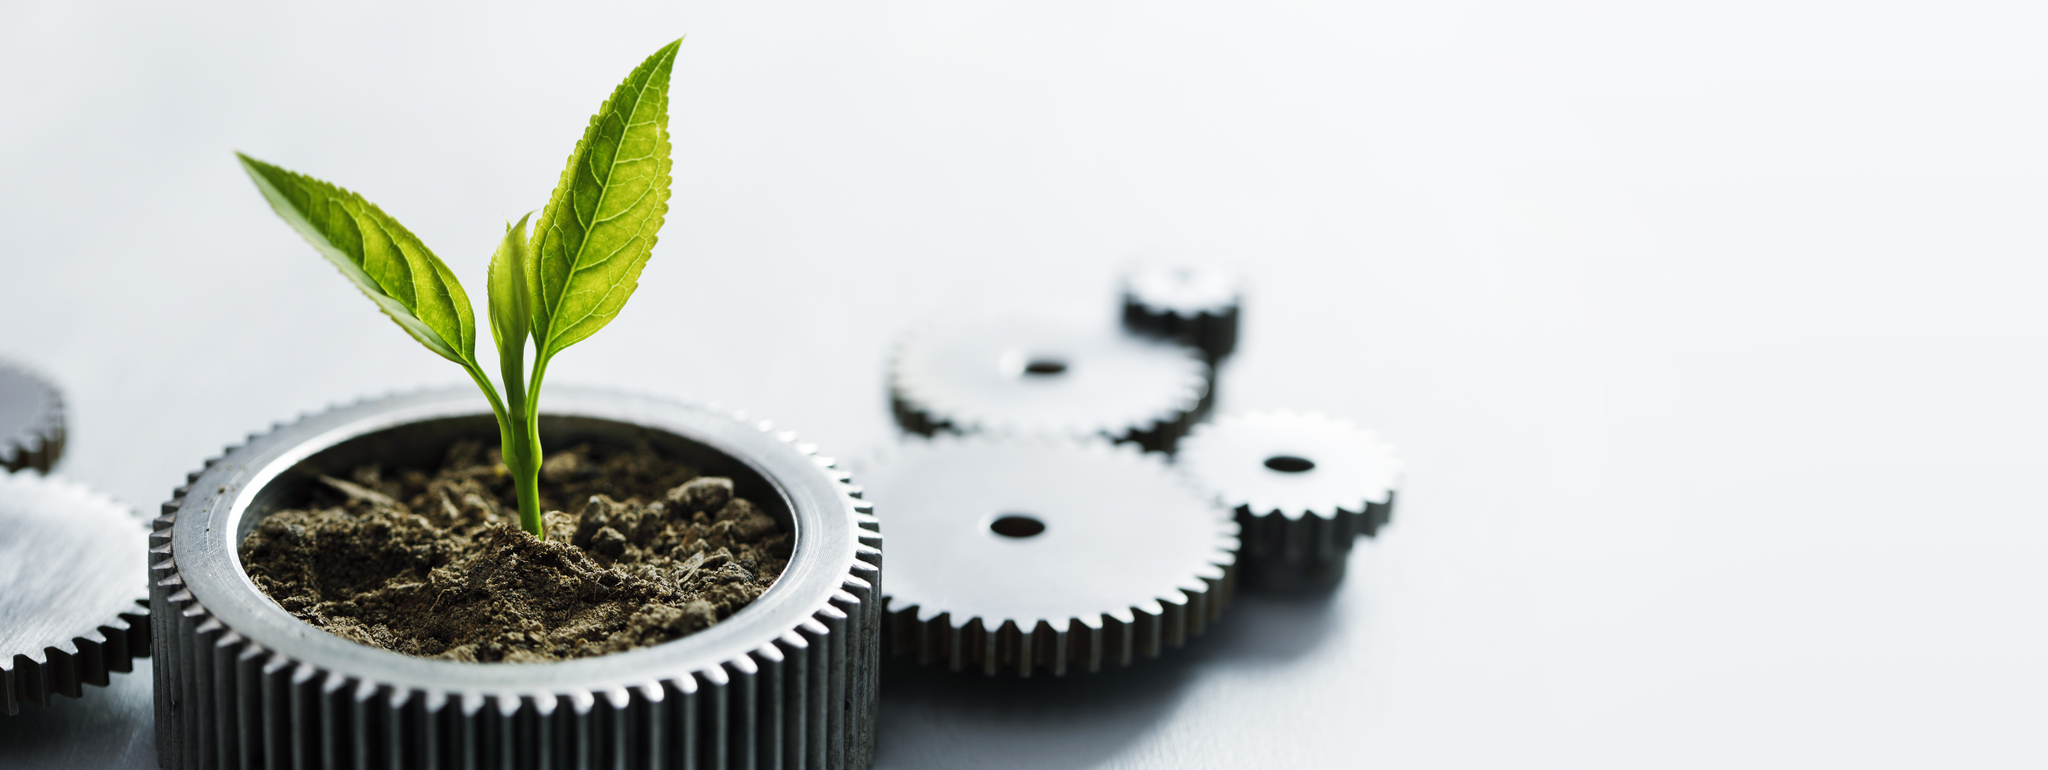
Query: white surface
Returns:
{"type": "Point", "coordinates": [1712, 334]}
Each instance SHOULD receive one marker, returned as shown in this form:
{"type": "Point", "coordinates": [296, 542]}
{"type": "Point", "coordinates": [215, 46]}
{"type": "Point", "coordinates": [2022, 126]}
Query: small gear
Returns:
{"type": "Point", "coordinates": [31, 420]}
{"type": "Point", "coordinates": [1304, 486]}
{"type": "Point", "coordinates": [1053, 555]}
{"type": "Point", "coordinates": [1192, 305]}
{"type": "Point", "coordinates": [1024, 375]}
{"type": "Point", "coordinates": [74, 594]}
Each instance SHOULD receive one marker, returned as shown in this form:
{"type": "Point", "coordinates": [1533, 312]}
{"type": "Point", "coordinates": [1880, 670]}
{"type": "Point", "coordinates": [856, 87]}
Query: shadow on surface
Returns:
{"type": "Point", "coordinates": [933, 718]}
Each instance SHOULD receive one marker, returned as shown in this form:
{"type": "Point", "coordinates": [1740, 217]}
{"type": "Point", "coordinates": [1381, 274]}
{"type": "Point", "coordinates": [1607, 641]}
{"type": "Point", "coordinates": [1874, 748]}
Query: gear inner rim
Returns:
{"type": "Point", "coordinates": [802, 495]}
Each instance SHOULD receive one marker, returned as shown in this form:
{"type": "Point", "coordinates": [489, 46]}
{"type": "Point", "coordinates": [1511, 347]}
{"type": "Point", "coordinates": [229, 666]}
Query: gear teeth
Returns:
{"type": "Point", "coordinates": [1195, 306]}
{"type": "Point", "coordinates": [1081, 646]}
{"type": "Point", "coordinates": [89, 658]}
{"type": "Point", "coordinates": [806, 699]}
{"type": "Point", "coordinates": [930, 406]}
{"type": "Point", "coordinates": [37, 442]}
{"type": "Point", "coordinates": [1294, 541]}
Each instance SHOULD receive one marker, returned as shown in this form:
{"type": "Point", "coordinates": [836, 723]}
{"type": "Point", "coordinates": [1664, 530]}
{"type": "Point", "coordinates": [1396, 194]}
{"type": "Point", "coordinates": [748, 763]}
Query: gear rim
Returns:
{"type": "Point", "coordinates": [1163, 613]}
{"type": "Point", "coordinates": [241, 681]}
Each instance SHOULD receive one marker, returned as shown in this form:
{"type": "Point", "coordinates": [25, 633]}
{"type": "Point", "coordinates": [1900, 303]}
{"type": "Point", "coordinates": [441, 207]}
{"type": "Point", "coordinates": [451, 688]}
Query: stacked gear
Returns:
{"type": "Point", "coordinates": [1034, 544]}
{"type": "Point", "coordinates": [1196, 306]}
{"type": "Point", "coordinates": [75, 607]}
{"type": "Point", "coordinates": [1303, 487]}
{"type": "Point", "coordinates": [1022, 555]}
{"type": "Point", "coordinates": [31, 421]}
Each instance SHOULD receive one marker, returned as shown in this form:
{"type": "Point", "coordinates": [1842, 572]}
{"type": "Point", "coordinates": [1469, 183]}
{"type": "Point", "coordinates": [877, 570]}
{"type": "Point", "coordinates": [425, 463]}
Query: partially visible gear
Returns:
{"type": "Point", "coordinates": [1304, 486]}
{"type": "Point", "coordinates": [74, 594]}
{"type": "Point", "coordinates": [31, 420]}
{"type": "Point", "coordinates": [1025, 375]}
{"type": "Point", "coordinates": [1192, 305]}
{"type": "Point", "coordinates": [1045, 555]}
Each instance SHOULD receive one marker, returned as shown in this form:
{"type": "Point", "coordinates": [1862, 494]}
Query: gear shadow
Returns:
{"type": "Point", "coordinates": [934, 718]}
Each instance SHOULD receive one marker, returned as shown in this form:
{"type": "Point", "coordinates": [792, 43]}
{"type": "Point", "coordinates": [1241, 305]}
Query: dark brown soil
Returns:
{"type": "Point", "coordinates": [436, 566]}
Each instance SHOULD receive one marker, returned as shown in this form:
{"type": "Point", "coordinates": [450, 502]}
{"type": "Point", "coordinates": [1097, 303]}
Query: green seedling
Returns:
{"type": "Point", "coordinates": [556, 287]}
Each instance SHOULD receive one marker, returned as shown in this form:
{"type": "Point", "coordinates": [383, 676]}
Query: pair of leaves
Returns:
{"type": "Point", "coordinates": [582, 264]}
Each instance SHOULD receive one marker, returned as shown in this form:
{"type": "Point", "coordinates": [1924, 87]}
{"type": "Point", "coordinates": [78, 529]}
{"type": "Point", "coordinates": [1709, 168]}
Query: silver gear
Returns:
{"type": "Point", "coordinates": [1303, 486]}
{"type": "Point", "coordinates": [73, 590]}
{"type": "Point", "coordinates": [789, 681]}
{"type": "Point", "coordinates": [31, 420]}
{"type": "Point", "coordinates": [1194, 305]}
{"type": "Point", "coordinates": [1030, 555]}
{"type": "Point", "coordinates": [1025, 375]}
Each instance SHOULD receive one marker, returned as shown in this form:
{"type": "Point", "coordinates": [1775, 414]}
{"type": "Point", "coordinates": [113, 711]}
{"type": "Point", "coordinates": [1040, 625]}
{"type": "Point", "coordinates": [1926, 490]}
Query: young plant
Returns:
{"type": "Point", "coordinates": [555, 287]}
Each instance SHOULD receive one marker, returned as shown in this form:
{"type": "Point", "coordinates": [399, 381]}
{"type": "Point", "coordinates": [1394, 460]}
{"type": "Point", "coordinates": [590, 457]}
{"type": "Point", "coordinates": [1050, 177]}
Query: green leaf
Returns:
{"type": "Point", "coordinates": [384, 259]}
{"type": "Point", "coordinates": [511, 301]}
{"type": "Point", "coordinates": [600, 224]}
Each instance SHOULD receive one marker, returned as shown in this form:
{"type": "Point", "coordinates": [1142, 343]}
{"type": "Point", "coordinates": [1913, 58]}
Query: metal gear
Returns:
{"type": "Point", "coordinates": [1024, 375]}
{"type": "Point", "coordinates": [1193, 305]}
{"type": "Point", "coordinates": [787, 682]}
{"type": "Point", "coordinates": [31, 420]}
{"type": "Point", "coordinates": [73, 590]}
{"type": "Point", "coordinates": [1045, 555]}
{"type": "Point", "coordinates": [1303, 486]}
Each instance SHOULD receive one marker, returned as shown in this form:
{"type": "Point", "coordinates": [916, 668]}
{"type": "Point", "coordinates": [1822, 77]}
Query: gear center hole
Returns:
{"type": "Point", "coordinates": [1041, 366]}
{"type": "Point", "coordinates": [1290, 464]}
{"type": "Point", "coordinates": [1045, 367]}
{"type": "Point", "coordinates": [1018, 525]}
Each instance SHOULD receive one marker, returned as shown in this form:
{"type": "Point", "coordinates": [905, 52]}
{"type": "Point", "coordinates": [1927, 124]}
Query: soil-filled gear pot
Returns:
{"type": "Point", "coordinates": [787, 682]}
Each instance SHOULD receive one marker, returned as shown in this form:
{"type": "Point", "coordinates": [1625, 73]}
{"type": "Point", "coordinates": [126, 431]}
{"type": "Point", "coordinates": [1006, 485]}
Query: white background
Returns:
{"type": "Point", "coordinates": [1712, 333]}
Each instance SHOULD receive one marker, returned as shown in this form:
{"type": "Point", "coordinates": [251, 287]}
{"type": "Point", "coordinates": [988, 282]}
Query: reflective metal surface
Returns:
{"type": "Point", "coordinates": [1023, 373]}
{"type": "Point", "coordinates": [1045, 556]}
{"type": "Point", "coordinates": [1303, 485]}
{"type": "Point", "coordinates": [72, 610]}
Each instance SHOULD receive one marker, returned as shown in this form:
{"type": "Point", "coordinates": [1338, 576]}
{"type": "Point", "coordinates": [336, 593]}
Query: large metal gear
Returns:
{"type": "Point", "coordinates": [1303, 486]}
{"type": "Point", "coordinates": [1043, 555]}
{"type": "Point", "coordinates": [31, 420]}
{"type": "Point", "coordinates": [73, 590]}
{"type": "Point", "coordinates": [787, 682]}
{"type": "Point", "coordinates": [1193, 305]}
{"type": "Point", "coordinates": [1024, 375]}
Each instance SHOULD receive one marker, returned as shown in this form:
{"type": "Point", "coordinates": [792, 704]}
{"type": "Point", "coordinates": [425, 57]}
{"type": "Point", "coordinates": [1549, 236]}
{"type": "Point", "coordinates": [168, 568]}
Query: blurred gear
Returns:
{"type": "Point", "coordinates": [1023, 375]}
{"type": "Point", "coordinates": [31, 420]}
{"type": "Point", "coordinates": [1193, 305]}
{"type": "Point", "coordinates": [1304, 486]}
{"type": "Point", "coordinates": [74, 601]}
{"type": "Point", "coordinates": [1045, 555]}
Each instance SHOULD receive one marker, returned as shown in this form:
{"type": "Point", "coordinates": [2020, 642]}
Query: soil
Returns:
{"type": "Point", "coordinates": [436, 565]}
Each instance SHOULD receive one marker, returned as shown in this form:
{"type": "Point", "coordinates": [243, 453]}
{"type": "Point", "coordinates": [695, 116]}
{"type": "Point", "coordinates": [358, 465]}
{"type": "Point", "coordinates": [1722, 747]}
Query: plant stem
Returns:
{"type": "Point", "coordinates": [519, 435]}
